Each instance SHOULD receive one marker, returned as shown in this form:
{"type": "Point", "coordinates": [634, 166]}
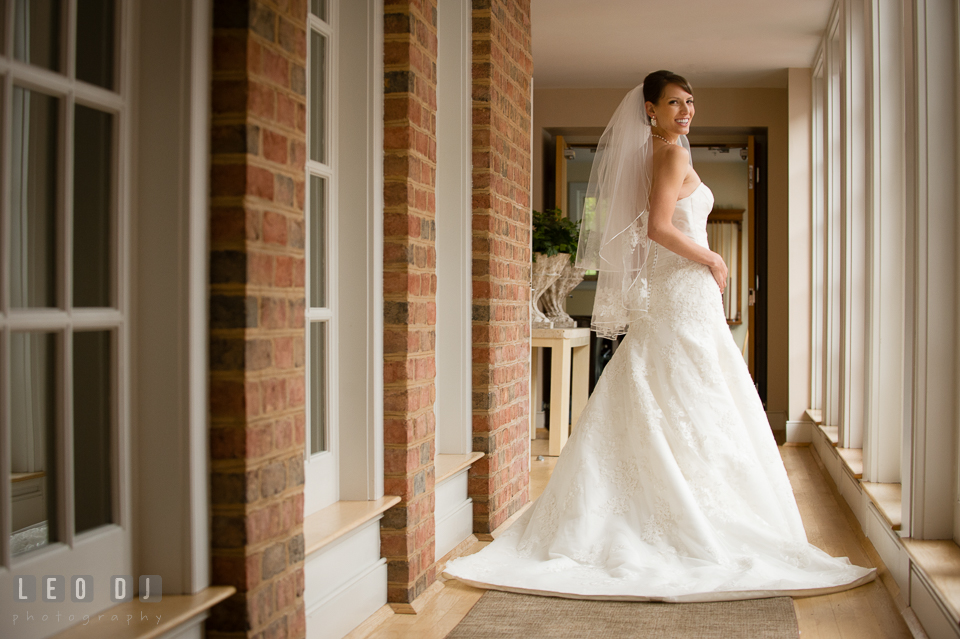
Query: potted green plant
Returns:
{"type": "Point", "coordinates": [554, 233]}
{"type": "Point", "coordinates": [555, 240]}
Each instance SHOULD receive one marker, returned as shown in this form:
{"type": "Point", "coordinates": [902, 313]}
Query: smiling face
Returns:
{"type": "Point", "coordinates": [673, 111]}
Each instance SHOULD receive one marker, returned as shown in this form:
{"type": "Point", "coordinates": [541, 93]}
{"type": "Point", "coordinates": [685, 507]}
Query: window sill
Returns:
{"type": "Point", "coordinates": [333, 522]}
{"type": "Point", "coordinates": [446, 466]}
{"type": "Point", "coordinates": [18, 477]}
{"type": "Point", "coordinates": [939, 561]}
{"type": "Point", "coordinates": [887, 498]}
{"type": "Point", "coordinates": [173, 610]}
{"type": "Point", "coordinates": [853, 459]}
{"type": "Point", "coordinates": [832, 433]}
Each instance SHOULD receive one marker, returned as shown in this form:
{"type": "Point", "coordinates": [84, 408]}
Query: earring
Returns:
{"type": "Point", "coordinates": [653, 121]}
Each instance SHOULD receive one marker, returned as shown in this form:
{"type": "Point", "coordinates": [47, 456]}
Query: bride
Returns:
{"type": "Point", "coordinates": [671, 487]}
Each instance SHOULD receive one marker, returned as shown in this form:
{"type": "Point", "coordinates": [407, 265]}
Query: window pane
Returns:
{"type": "Point", "coordinates": [92, 195]}
{"type": "Point", "coordinates": [318, 235]}
{"type": "Point", "coordinates": [36, 33]}
{"type": "Point", "coordinates": [3, 26]}
{"type": "Point", "coordinates": [33, 194]}
{"type": "Point", "coordinates": [317, 106]}
{"type": "Point", "coordinates": [95, 42]}
{"type": "Point", "coordinates": [319, 8]}
{"type": "Point", "coordinates": [318, 387]}
{"type": "Point", "coordinates": [33, 457]}
{"type": "Point", "coordinates": [92, 404]}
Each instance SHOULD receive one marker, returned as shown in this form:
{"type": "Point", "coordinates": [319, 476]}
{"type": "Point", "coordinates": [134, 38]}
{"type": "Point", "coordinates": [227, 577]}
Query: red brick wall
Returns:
{"type": "Point", "coordinates": [409, 287]}
{"type": "Point", "coordinates": [502, 71]}
{"type": "Point", "coordinates": [257, 315]}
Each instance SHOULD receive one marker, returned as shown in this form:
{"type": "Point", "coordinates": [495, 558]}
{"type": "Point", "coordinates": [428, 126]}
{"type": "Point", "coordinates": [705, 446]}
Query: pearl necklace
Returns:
{"type": "Point", "coordinates": [662, 138]}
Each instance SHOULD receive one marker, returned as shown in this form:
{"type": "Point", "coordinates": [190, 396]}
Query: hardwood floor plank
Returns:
{"type": "Point", "coordinates": [866, 612]}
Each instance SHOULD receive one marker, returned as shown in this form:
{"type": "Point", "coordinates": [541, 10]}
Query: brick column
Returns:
{"type": "Point", "coordinates": [502, 71]}
{"type": "Point", "coordinates": [410, 288]}
{"type": "Point", "coordinates": [257, 316]}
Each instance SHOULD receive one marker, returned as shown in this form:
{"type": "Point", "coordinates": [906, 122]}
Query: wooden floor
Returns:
{"type": "Point", "coordinates": [867, 612]}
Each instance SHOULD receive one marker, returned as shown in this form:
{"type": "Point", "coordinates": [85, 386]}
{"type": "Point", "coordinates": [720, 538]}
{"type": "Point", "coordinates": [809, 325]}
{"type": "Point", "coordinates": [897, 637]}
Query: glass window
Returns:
{"type": "Point", "coordinates": [92, 197]}
{"type": "Point", "coordinates": [317, 237]}
{"type": "Point", "coordinates": [33, 199]}
{"type": "Point", "coordinates": [318, 387]}
{"type": "Point", "coordinates": [36, 33]}
{"type": "Point", "coordinates": [318, 54]}
{"type": "Point", "coordinates": [320, 182]}
{"type": "Point", "coordinates": [33, 440]}
{"type": "Point", "coordinates": [95, 42]}
{"type": "Point", "coordinates": [92, 425]}
{"type": "Point", "coordinates": [66, 371]}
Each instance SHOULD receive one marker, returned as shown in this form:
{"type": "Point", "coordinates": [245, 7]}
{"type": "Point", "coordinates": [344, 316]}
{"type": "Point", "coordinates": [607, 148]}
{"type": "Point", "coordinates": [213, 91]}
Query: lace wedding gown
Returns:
{"type": "Point", "coordinates": [671, 487]}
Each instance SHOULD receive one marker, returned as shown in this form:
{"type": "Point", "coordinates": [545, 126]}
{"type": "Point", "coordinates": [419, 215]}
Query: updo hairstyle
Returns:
{"type": "Point", "coordinates": [656, 83]}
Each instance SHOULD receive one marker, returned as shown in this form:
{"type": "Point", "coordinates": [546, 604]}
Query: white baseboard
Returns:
{"type": "Point", "coordinates": [344, 583]}
{"type": "Point", "coordinates": [350, 605]}
{"type": "Point", "coordinates": [887, 544]}
{"type": "Point", "coordinates": [799, 432]}
{"type": "Point", "coordinates": [454, 528]}
{"type": "Point", "coordinates": [453, 513]}
{"type": "Point", "coordinates": [937, 622]}
{"type": "Point", "coordinates": [192, 629]}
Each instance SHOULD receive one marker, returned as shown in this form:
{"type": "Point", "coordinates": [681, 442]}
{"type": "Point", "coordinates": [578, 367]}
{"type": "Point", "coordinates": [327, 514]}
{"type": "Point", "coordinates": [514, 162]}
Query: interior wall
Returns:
{"type": "Point", "coordinates": [741, 108]}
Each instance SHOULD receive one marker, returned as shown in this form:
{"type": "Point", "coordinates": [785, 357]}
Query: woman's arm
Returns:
{"type": "Point", "coordinates": [669, 170]}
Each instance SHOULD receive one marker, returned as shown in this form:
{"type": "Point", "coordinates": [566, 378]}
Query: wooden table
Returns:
{"type": "Point", "coordinates": [570, 349]}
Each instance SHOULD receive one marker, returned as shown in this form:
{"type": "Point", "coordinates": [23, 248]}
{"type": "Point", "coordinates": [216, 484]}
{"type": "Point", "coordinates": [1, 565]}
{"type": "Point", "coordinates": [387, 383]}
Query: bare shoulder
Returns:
{"type": "Point", "coordinates": [671, 158]}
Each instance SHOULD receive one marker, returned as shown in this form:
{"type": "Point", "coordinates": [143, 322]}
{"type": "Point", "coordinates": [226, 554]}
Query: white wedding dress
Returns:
{"type": "Point", "coordinates": [671, 487]}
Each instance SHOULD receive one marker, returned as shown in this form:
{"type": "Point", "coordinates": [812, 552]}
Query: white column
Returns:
{"type": "Point", "coordinates": [454, 229]}
{"type": "Point", "coordinates": [883, 412]}
{"type": "Point", "coordinates": [799, 245]}
{"type": "Point", "coordinates": [359, 97]}
{"type": "Point", "coordinates": [852, 234]}
{"type": "Point", "coordinates": [932, 276]}
{"type": "Point", "coordinates": [172, 292]}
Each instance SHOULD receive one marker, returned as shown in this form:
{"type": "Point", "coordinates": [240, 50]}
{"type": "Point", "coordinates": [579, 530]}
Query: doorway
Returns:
{"type": "Point", "coordinates": [568, 153]}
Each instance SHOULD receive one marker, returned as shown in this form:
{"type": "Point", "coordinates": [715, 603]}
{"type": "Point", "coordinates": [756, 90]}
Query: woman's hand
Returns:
{"type": "Point", "coordinates": [719, 270]}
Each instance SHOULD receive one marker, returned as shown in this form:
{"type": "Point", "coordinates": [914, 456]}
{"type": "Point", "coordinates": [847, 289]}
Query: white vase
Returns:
{"type": "Point", "coordinates": [552, 300]}
{"type": "Point", "coordinates": [546, 270]}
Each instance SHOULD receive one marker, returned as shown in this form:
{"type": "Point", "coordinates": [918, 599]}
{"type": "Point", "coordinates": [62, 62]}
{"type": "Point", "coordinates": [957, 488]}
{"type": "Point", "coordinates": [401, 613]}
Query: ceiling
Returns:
{"type": "Point", "coordinates": [713, 43]}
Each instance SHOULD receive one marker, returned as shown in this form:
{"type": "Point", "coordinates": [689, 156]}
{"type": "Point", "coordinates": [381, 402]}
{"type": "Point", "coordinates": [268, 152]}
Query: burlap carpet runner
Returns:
{"type": "Point", "coordinates": [502, 615]}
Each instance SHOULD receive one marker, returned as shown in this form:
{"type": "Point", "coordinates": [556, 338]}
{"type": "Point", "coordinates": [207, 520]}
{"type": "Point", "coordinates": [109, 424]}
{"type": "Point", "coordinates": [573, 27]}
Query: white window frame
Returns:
{"type": "Point", "coordinates": [106, 550]}
{"type": "Point", "coordinates": [322, 469]}
{"type": "Point", "coordinates": [853, 236]}
{"type": "Point", "coordinates": [832, 397]}
{"type": "Point", "coordinates": [352, 468]}
{"type": "Point", "coordinates": [818, 208]}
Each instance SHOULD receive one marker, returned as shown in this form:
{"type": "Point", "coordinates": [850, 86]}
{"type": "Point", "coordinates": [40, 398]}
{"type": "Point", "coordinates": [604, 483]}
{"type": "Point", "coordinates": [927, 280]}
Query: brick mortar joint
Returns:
{"type": "Point", "coordinates": [407, 152]}
{"type": "Point", "coordinates": [260, 162]}
{"type": "Point", "coordinates": [260, 547]}
{"type": "Point", "coordinates": [253, 203]}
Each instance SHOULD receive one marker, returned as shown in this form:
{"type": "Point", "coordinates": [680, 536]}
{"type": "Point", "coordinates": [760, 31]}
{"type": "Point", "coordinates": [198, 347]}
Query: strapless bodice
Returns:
{"type": "Point", "coordinates": [690, 216]}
